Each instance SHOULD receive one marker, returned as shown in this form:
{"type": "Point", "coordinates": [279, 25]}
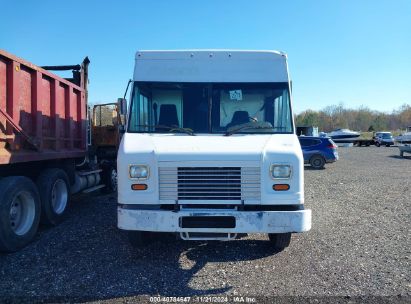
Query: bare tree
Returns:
{"type": "Point", "coordinates": [360, 119]}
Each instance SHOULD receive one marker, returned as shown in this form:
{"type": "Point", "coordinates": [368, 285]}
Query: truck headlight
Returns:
{"type": "Point", "coordinates": [280, 171]}
{"type": "Point", "coordinates": [138, 171]}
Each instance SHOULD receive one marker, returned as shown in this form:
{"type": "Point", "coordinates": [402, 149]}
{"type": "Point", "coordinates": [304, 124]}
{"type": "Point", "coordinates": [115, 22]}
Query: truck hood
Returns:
{"type": "Point", "coordinates": [177, 147]}
{"type": "Point", "coordinates": [211, 150]}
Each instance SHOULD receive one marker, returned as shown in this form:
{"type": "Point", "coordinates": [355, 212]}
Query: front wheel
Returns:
{"type": "Point", "coordinates": [54, 188]}
{"type": "Point", "coordinates": [19, 212]}
{"type": "Point", "coordinates": [378, 144]}
{"type": "Point", "coordinates": [317, 162]}
{"type": "Point", "coordinates": [280, 240]}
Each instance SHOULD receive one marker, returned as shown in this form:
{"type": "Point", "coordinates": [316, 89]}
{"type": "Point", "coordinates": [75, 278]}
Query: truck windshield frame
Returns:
{"type": "Point", "coordinates": [211, 108]}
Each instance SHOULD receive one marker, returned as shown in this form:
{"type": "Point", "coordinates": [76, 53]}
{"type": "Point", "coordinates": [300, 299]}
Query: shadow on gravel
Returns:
{"type": "Point", "coordinates": [400, 157]}
{"type": "Point", "coordinates": [309, 168]}
{"type": "Point", "coordinates": [87, 258]}
{"type": "Point", "coordinates": [168, 252]}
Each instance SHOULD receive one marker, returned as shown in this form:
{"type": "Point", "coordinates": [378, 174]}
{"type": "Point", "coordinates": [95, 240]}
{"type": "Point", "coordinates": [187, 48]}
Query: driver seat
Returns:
{"type": "Point", "coordinates": [239, 117]}
{"type": "Point", "coordinates": [168, 115]}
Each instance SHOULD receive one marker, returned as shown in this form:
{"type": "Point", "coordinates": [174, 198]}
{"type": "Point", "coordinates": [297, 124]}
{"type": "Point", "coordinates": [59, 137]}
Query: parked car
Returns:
{"type": "Point", "coordinates": [318, 151]}
{"type": "Point", "coordinates": [383, 138]}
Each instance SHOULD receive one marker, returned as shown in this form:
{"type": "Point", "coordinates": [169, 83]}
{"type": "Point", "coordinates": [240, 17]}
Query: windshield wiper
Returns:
{"type": "Point", "coordinates": [248, 125]}
{"type": "Point", "coordinates": [170, 128]}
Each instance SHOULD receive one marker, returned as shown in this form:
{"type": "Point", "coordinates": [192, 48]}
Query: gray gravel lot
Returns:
{"type": "Point", "coordinates": [359, 245]}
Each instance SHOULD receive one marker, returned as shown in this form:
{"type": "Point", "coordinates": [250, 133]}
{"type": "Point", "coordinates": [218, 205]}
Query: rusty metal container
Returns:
{"type": "Point", "coordinates": [42, 116]}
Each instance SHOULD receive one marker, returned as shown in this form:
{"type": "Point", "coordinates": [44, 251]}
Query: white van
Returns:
{"type": "Point", "coordinates": [210, 149]}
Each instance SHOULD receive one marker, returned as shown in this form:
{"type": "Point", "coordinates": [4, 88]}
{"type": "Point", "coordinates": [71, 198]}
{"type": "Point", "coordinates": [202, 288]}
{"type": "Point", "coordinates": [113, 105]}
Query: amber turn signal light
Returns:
{"type": "Point", "coordinates": [138, 187]}
{"type": "Point", "coordinates": [281, 187]}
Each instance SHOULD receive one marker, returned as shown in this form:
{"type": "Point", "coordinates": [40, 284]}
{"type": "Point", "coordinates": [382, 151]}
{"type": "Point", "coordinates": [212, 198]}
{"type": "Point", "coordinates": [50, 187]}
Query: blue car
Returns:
{"type": "Point", "coordinates": [318, 151]}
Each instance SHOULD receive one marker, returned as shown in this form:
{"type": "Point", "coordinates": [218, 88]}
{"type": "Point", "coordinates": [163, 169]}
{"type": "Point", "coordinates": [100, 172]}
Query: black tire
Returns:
{"type": "Point", "coordinates": [18, 195]}
{"type": "Point", "coordinates": [54, 189]}
{"type": "Point", "coordinates": [401, 153]}
{"type": "Point", "coordinates": [139, 239]}
{"type": "Point", "coordinates": [280, 240]}
{"type": "Point", "coordinates": [387, 145]}
{"type": "Point", "coordinates": [317, 162]}
{"type": "Point", "coordinates": [109, 178]}
{"type": "Point", "coordinates": [378, 144]}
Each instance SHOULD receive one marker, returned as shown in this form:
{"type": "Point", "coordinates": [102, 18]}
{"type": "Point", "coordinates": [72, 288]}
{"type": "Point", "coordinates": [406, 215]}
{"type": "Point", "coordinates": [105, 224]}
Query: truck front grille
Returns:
{"type": "Point", "coordinates": [209, 183]}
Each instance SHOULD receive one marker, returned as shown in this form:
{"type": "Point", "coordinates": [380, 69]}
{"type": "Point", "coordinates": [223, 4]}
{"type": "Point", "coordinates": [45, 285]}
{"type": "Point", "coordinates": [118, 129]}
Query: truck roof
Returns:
{"type": "Point", "coordinates": [211, 65]}
{"type": "Point", "coordinates": [183, 52]}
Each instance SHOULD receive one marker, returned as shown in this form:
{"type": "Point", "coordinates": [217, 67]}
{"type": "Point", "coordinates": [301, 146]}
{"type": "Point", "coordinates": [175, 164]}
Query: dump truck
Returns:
{"type": "Point", "coordinates": [210, 150]}
{"type": "Point", "coordinates": [52, 145]}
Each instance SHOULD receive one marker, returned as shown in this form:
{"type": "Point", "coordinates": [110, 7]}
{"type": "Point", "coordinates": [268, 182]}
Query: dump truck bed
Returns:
{"type": "Point", "coordinates": [42, 116]}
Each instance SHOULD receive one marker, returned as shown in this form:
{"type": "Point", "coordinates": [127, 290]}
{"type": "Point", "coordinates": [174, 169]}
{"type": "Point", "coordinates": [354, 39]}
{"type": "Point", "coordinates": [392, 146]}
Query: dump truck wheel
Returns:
{"type": "Point", "coordinates": [54, 188]}
{"type": "Point", "coordinates": [139, 239]}
{"type": "Point", "coordinates": [109, 178]}
{"type": "Point", "coordinates": [317, 162]}
{"type": "Point", "coordinates": [19, 212]}
{"type": "Point", "coordinates": [280, 240]}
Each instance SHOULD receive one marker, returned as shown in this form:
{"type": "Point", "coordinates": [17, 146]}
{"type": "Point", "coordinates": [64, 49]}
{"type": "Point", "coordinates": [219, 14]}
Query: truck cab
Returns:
{"type": "Point", "coordinates": [210, 150]}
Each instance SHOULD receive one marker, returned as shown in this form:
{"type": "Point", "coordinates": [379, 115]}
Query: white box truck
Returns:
{"type": "Point", "coordinates": [210, 150]}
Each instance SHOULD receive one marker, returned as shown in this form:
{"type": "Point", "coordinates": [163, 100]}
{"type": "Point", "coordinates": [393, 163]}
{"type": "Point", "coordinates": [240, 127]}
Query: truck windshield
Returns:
{"type": "Point", "coordinates": [211, 108]}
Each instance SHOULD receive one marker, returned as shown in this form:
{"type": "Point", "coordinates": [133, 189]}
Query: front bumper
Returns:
{"type": "Point", "coordinates": [245, 221]}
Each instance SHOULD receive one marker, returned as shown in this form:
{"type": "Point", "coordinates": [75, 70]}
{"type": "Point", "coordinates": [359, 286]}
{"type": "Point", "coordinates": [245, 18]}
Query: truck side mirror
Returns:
{"type": "Point", "coordinates": [122, 106]}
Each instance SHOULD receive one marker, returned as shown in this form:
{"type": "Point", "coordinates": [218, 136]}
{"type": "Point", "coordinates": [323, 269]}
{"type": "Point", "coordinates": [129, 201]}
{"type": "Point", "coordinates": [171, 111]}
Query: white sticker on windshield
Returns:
{"type": "Point", "coordinates": [236, 95]}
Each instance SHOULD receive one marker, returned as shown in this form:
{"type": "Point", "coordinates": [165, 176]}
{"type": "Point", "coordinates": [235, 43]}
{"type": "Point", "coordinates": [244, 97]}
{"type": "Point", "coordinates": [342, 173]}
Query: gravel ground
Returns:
{"type": "Point", "coordinates": [359, 246]}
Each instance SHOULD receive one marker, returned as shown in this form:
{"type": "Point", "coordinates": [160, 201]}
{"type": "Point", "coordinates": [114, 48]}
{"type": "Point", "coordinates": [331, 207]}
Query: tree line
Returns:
{"type": "Point", "coordinates": [361, 119]}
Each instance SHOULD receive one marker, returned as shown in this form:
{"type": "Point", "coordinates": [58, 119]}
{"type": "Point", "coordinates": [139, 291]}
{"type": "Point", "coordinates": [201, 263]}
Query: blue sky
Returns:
{"type": "Point", "coordinates": [354, 52]}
